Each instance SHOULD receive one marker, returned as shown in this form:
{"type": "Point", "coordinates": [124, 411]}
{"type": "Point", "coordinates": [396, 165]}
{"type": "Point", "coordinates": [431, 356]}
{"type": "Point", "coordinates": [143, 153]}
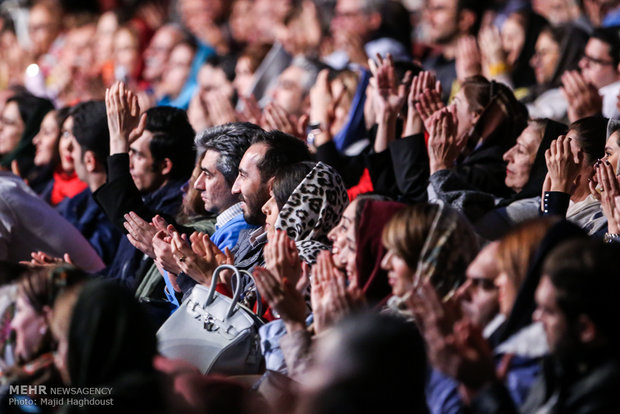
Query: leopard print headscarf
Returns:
{"type": "Point", "coordinates": [312, 210]}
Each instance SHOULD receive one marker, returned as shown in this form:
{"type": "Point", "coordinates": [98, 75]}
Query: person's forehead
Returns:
{"type": "Point", "coordinates": [348, 5]}
{"type": "Point", "coordinates": [485, 263]}
{"type": "Point", "coordinates": [253, 155]}
{"type": "Point", "coordinates": [597, 47]}
{"type": "Point", "coordinates": [209, 160]}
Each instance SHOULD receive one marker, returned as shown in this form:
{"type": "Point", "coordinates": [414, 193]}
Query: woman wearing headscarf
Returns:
{"type": "Point", "coordinates": [486, 120]}
{"type": "Point", "coordinates": [525, 174]}
{"type": "Point", "coordinates": [558, 49]}
{"type": "Point", "coordinates": [111, 343]}
{"type": "Point", "coordinates": [20, 122]}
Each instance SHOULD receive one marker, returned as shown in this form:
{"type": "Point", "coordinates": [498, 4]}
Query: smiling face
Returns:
{"type": "Point", "coordinates": [612, 150]}
{"type": "Point", "coordinates": [249, 185]}
{"type": "Point", "coordinates": [521, 157]}
{"type": "Point", "coordinates": [46, 141]}
{"type": "Point", "coordinates": [65, 146]}
{"type": "Point", "coordinates": [342, 235]}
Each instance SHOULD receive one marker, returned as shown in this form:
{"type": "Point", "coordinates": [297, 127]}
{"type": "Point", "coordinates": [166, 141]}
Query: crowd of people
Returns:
{"type": "Point", "coordinates": [310, 206]}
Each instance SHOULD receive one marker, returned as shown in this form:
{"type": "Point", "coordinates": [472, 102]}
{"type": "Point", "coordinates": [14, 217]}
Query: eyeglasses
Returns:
{"type": "Point", "coordinates": [348, 13]}
{"type": "Point", "coordinates": [592, 60]}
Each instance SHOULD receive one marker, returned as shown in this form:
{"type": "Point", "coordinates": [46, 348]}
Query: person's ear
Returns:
{"type": "Point", "coordinates": [270, 183]}
{"type": "Point", "coordinates": [586, 329]}
{"type": "Point", "coordinates": [374, 21]}
{"type": "Point", "coordinates": [47, 313]}
{"type": "Point", "coordinates": [90, 161]}
{"type": "Point", "coordinates": [166, 166]}
{"type": "Point", "coordinates": [466, 21]}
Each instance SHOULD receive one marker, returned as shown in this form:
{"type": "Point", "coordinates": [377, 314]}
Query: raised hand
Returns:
{"type": "Point", "coordinates": [140, 233]}
{"type": "Point", "coordinates": [492, 52]}
{"type": "Point", "coordinates": [429, 103]}
{"type": "Point", "coordinates": [219, 108]}
{"type": "Point", "coordinates": [276, 117]}
{"type": "Point", "coordinates": [468, 58]}
{"type": "Point", "coordinates": [607, 191]}
{"type": "Point", "coordinates": [282, 258]}
{"type": "Point", "coordinates": [123, 113]}
{"type": "Point", "coordinates": [444, 147]}
{"type": "Point", "coordinates": [582, 97]}
{"type": "Point", "coordinates": [420, 83]}
{"type": "Point", "coordinates": [454, 345]}
{"type": "Point", "coordinates": [562, 165]}
{"type": "Point", "coordinates": [330, 297]}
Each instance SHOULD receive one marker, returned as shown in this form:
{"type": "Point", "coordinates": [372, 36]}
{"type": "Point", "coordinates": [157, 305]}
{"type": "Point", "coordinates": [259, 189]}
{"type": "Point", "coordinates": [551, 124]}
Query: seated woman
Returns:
{"type": "Point", "coordinates": [430, 242]}
{"type": "Point", "coordinates": [519, 343]}
{"type": "Point", "coordinates": [53, 157]}
{"type": "Point", "coordinates": [37, 291]}
{"type": "Point", "coordinates": [525, 173]}
{"type": "Point", "coordinates": [356, 247]}
{"type": "Point", "coordinates": [20, 122]}
{"type": "Point", "coordinates": [487, 119]}
{"type": "Point", "coordinates": [106, 340]}
{"type": "Point", "coordinates": [558, 49]}
{"type": "Point", "coordinates": [571, 166]}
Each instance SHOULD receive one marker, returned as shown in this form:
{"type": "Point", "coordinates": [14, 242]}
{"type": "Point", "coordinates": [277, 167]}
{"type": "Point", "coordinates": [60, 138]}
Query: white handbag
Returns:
{"type": "Point", "coordinates": [213, 332]}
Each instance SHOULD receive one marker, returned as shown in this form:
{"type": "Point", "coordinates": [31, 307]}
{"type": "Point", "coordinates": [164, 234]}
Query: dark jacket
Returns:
{"type": "Point", "coordinates": [119, 196]}
{"type": "Point", "coordinates": [85, 214]}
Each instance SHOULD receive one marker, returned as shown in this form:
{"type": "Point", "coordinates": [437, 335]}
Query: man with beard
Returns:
{"type": "Point", "coordinates": [447, 22]}
{"type": "Point", "coordinates": [268, 153]}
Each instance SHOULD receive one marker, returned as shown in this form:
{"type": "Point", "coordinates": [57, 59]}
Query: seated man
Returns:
{"type": "Point", "coordinates": [89, 149]}
{"type": "Point", "coordinates": [578, 308]}
{"type": "Point", "coordinates": [150, 159]}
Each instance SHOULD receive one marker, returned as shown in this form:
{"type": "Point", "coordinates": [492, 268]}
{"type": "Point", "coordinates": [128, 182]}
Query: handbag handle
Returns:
{"type": "Point", "coordinates": [237, 293]}
{"type": "Point", "coordinates": [259, 300]}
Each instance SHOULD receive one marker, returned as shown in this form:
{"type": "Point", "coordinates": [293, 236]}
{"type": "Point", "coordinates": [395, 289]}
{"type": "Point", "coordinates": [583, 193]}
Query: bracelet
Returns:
{"type": "Point", "coordinates": [611, 238]}
{"type": "Point", "coordinates": [497, 68]}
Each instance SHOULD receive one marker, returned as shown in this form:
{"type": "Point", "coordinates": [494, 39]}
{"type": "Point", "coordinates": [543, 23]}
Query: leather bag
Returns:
{"type": "Point", "coordinates": [213, 332]}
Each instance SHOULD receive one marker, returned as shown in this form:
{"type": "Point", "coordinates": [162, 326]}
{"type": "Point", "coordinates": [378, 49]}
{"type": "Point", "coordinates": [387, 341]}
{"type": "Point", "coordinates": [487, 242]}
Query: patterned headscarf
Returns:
{"type": "Point", "coordinates": [312, 210]}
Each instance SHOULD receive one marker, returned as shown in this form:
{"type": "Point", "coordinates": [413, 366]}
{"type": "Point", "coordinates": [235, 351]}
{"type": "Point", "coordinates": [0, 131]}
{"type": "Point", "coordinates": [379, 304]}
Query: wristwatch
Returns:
{"type": "Point", "coordinates": [611, 237]}
{"type": "Point", "coordinates": [314, 129]}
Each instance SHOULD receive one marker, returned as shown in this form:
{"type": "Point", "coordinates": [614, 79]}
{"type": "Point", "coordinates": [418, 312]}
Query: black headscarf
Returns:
{"type": "Point", "coordinates": [521, 313]}
{"type": "Point", "coordinates": [32, 110]}
{"type": "Point", "coordinates": [110, 336]}
{"type": "Point", "coordinates": [522, 73]}
{"type": "Point", "coordinates": [538, 172]}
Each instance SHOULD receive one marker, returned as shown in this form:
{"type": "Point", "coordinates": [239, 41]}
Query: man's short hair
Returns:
{"type": "Point", "coordinates": [585, 274]}
{"type": "Point", "coordinates": [90, 128]}
{"type": "Point", "coordinates": [283, 149]}
{"type": "Point", "coordinates": [173, 138]}
{"type": "Point", "coordinates": [610, 37]}
{"type": "Point", "coordinates": [230, 141]}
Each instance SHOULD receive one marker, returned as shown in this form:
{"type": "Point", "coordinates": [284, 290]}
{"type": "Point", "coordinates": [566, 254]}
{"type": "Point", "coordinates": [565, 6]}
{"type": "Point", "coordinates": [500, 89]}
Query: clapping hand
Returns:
{"type": "Point", "coordinates": [582, 97]}
{"type": "Point", "coordinates": [444, 147]}
{"type": "Point", "coordinates": [563, 166]}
